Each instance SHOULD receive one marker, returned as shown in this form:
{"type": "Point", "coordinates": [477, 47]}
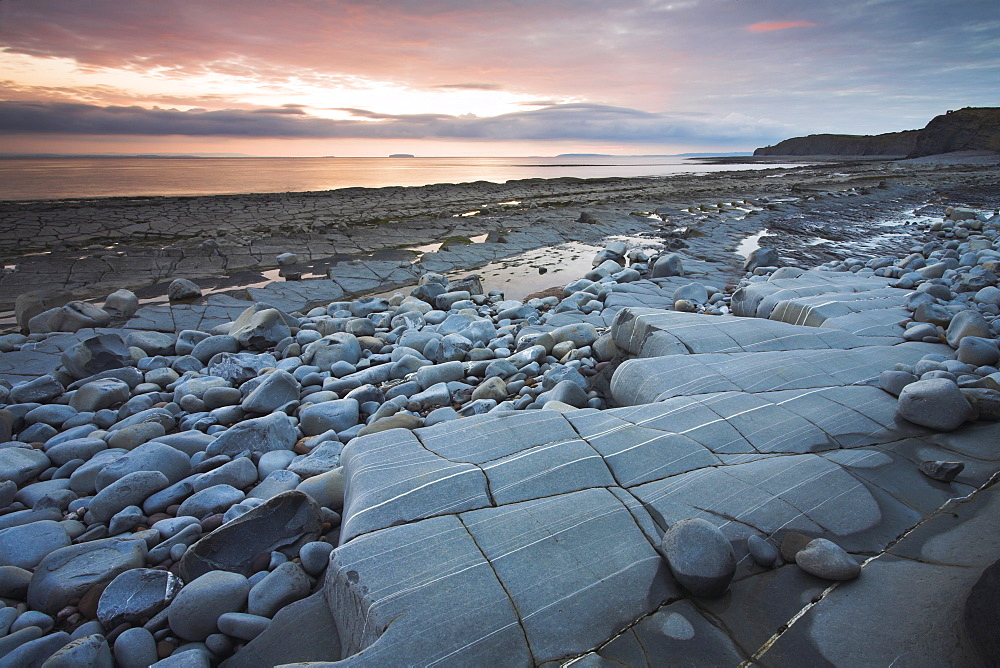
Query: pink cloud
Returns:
{"type": "Point", "coordinates": [561, 48]}
{"type": "Point", "coordinates": [778, 25]}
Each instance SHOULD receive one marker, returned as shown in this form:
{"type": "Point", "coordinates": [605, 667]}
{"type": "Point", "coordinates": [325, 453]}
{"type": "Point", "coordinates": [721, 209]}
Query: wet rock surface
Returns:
{"type": "Point", "coordinates": [452, 475]}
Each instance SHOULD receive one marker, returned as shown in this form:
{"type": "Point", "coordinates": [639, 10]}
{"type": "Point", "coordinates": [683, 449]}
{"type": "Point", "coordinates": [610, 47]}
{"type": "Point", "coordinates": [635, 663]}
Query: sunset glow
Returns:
{"type": "Point", "coordinates": [475, 78]}
{"type": "Point", "coordinates": [779, 25]}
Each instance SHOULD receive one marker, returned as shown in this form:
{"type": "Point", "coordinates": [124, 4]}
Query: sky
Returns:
{"type": "Point", "coordinates": [481, 77]}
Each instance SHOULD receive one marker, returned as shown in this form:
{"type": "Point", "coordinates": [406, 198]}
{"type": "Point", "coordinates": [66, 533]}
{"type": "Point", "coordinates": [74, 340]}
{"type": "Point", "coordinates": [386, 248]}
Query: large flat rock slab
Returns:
{"type": "Point", "coordinates": [572, 589]}
{"type": "Point", "coordinates": [422, 593]}
{"type": "Point", "coordinates": [760, 298]}
{"type": "Point", "coordinates": [643, 381]}
{"type": "Point", "coordinates": [482, 438]}
{"type": "Point", "coordinates": [870, 313]}
{"type": "Point", "coordinates": [302, 295]}
{"type": "Point", "coordinates": [654, 333]}
{"type": "Point", "coordinates": [38, 359]}
{"type": "Point", "coordinates": [526, 505]}
{"type": "Point", "coordinates": [393, 479]}
{"type": "Point", "coordinates": [215, 310]}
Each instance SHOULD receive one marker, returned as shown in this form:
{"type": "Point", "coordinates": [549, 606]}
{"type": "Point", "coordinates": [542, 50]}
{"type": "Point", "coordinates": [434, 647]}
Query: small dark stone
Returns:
{"type": "Point", "coordinates": [791, 543]}
{"type": "Point", "coordinates": [212, 522]}
{"type": "Point", "coordinates": [136, 595]}
{"type": "Point", "coordinates": [289, 519]}
{"type": "Point", "coordinates": [943, 471]}
{"type": "Point", "coordinates": [89, 602]}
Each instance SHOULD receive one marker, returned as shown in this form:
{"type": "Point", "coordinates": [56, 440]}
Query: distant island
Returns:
{"type": "Point", "coordinates": [402, 155]}
{"type": "Point", "coordinates": [968, 129]}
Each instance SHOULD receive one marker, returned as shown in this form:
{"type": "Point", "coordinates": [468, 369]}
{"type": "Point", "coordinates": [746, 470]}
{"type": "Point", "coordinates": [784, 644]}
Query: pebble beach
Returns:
{"type": "Point", "coordinates": [720, 419]}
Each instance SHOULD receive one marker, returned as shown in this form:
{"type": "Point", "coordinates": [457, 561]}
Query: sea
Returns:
{"type": "Point", "coordinates": [31, 178]}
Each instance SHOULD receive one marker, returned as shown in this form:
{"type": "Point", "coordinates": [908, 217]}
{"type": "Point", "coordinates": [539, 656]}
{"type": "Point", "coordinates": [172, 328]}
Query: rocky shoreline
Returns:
{"type": "Point", "coordinates": [677, 455]}
{"type": "Point", "coordinates": [89, 248]}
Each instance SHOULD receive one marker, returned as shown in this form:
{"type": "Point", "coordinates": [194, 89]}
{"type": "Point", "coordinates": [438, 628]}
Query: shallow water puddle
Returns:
{"type": "Point", "coordinates": [750, 244]}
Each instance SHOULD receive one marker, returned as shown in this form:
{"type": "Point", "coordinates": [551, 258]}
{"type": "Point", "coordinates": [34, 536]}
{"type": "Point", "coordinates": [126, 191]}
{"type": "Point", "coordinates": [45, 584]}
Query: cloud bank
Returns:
{"type": "Point", "coordinates": [584, 122]}
{"type": "Point", "coordinates": [856, 66]}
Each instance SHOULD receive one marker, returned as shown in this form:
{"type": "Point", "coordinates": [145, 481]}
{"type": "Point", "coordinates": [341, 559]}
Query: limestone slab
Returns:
{"type": "Point", "coordinates": [392, 478]}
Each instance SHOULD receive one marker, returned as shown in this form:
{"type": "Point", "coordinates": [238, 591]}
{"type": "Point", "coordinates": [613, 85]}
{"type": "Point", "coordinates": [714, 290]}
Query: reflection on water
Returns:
{"type": "Point", "coordinates": [54, 178]}
{"type": "Point", "coordinates": [750, 244]}
{"type": "Point", "coordinates": [538, 269]}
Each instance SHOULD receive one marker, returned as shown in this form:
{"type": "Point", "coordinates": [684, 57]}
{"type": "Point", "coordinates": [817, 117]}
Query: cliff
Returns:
{"type": "Point", "coordinates": [892, 143]}
{"type": "Point", "coordinates": [968, 129]}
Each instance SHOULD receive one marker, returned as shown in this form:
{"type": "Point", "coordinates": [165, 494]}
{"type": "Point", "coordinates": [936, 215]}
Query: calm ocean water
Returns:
{"type": "Point", "coordinates": [56, 178]}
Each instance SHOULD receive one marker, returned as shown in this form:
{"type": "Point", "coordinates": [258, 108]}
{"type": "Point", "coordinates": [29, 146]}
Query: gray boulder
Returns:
{"type": "Point", "coordinates": [87, 652]}
{"type": "Point", "coordinates": [337, 415]}
{"type": "Point", "coordinates": [692, 292]}
{"type": "Point", "coordinates": [34, 653]}
{"type": "Point", "coordinates": [30, 304]}
{"type": "Point", "coordinates": [668, 265]}
{"type": "Point", "coordinates": [237, 368]}
{"type": "Point", "coordinates": [936, 403]}
{"type": "Point", "coordinates": [440, 373]}
{"type": "Point", "coordinates": [567, 392]}
{"type": "Point", "coordinates": [69, 572]}
{"type": "Point", "coordinates": [967, 323]}
{"type": "Point", "coordinates": [41, 389]}
{"type": "Point", "coordinates": [339, 347]}
{"type": "Point", "coordinates": [978, 351]}
{"type": "Point", "coordinates": [238, 473]}
{"type": "Point", "coordinates": [14, 582]}
{"type": "Point", "coordinates": [181, 289]}
{"type": "Point", "coordinates": [19, 465]}
{"type": "Point", "coordinates": [285, 584]}
{"type": "Point", "coordinates": [893, 381]}
{"type": "Point", "coordinates": [283, 522]}
{"type": "Point", "coordinates": [122, 303]}
{"type": "Point", "coordinates": [255, 436]}
{"type": "Point", "coordinates": [211, 500]}
{"type": "Point", "coordinates": [827, 560]}
{"type": "Point", "coordinates": [277, 391]}
{"type": "Point", "coordinates": [153, 456]}
{"type": "Point", "coordinates": [71, 317]}
{"type": "Point", "coordinates": [194, 613]}
{"type": "Point", "coordinates": [324, 457]}
{"type": "Point", "coordinates": [96, 354]}
{"type": "Point", "coordinates": [99, 394]}
{"type": "Point", "coordinates": [242, 625]}
{"type": "Point", "coordinates": [275, 483]}
{"type": "Point", "coordinates": [136, 595]}
{"type": "Point", "coordinates": [135, 648]}
{"type": "Point", "coordinates": [152, 343]}
{"type": "Point", "coordinates": [300, 632]}
{"type": "Point", "coordinates": [26, 545]}
{"type": "Point", "coordinates": [208, 348]}
{"type": "Point", "coordinates": [700, 557]}
{"type": "Point", "coordinates": [940, 470]}
{"type": "Point", "coordinates": [315, 556]}
{"type": "Point", "coordinates": [764, 256]}
{"type": "Point", "coordinates": [259, 329]}
{"type": "Point", "coordinates": [130, 490]}
{"type": "Point", "coordinates": [762, 552]}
